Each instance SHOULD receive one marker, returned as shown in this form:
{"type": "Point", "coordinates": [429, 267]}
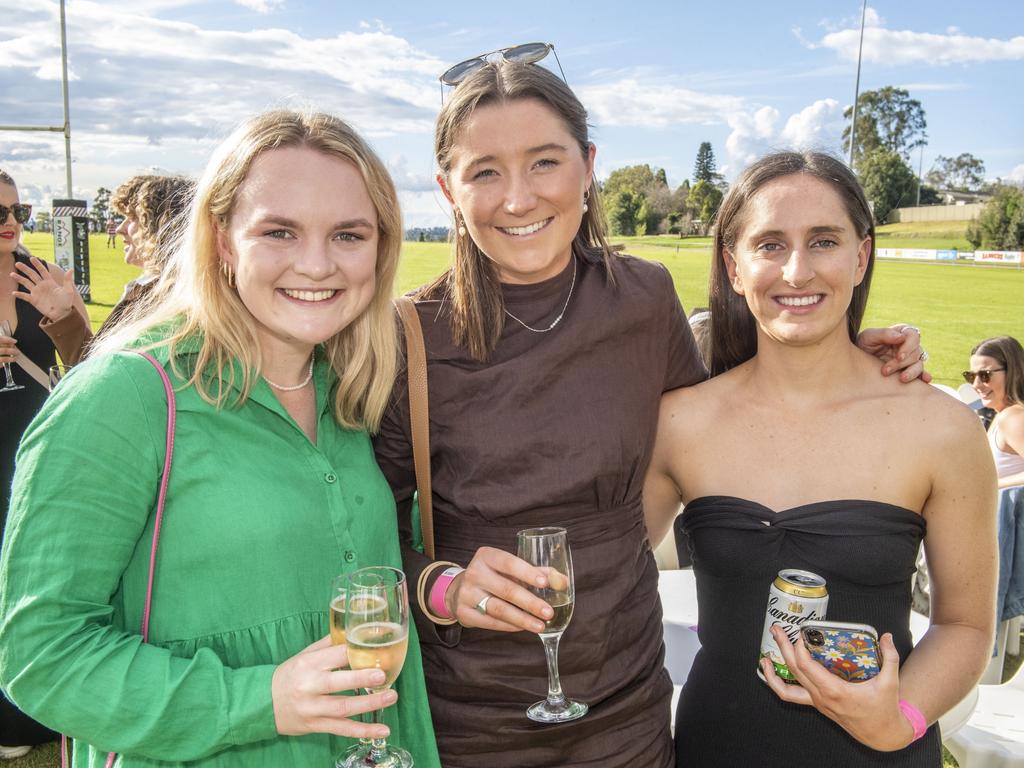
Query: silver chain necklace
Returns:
{"type": "Point", "coordinates": [565, 306]}
{"type": "Point", "coordinates": [304, 382]}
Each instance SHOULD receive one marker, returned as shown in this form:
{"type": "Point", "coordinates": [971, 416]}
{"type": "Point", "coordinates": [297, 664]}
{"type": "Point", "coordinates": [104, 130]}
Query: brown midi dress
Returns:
{"type": "Point", "coordinates": [555, 429]}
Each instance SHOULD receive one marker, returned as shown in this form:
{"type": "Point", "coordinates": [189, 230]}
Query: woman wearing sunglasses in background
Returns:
{"type": "Point", "coordinates": [45, 315]}
{"type": "Point", "coordinates": [997, 375]}
{"type": "Point", "coordinates": [547, 356]}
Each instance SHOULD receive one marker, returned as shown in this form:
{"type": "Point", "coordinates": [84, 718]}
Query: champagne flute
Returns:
{"type": "Point", "coordinates": [377, 633]}
{"type": "Point", "coordinates": [337, 617]}
{"type": "Point", "coordinates": [57, 372]}
{"type": "Point", "coordinates": [548, 549]}
{"type": "Point", "coordinates": [9, 385]}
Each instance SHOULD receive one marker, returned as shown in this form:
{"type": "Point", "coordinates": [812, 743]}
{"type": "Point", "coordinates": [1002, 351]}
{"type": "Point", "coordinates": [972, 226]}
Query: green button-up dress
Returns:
{"type": "Point", "coordinates": [258, 521]}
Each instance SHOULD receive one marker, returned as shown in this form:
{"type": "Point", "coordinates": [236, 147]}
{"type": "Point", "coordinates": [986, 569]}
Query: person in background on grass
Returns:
{"type": "Point", "coordinates": [547, 355]}
{"type": "Point", "coordinates": [46, 316]}
{"type": "Point", "coordinates": [997, 375]}
{"type": "Point", "coordinates": [796, 454]}
{"type": "Point", "coordinates": [111, 232]}
{"type": "Point", "coordinates": [279, 337]}
{"type": "Point", "coordinates": [154, 210]}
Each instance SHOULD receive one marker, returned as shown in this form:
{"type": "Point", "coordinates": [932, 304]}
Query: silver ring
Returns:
{"type": "Point", "coordinates": [924, 356]}
{"type": "Point", "coordinates": [911, 328]}
{"type": "Point", "coordinates": [482, 605]}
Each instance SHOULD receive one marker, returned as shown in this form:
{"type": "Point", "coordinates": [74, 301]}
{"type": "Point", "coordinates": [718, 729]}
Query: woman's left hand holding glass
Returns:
{"type": "Point", "coordinates": [869, 711]}
{"type": "Point", "coordinates": [899, 348]}
{"type": "Point", "coordinates": [48, 288]}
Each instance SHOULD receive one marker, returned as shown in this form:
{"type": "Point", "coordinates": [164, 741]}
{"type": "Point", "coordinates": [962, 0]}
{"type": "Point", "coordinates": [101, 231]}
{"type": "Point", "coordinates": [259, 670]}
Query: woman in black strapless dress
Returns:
{"type": "Point", "coordinates": [796, 454]}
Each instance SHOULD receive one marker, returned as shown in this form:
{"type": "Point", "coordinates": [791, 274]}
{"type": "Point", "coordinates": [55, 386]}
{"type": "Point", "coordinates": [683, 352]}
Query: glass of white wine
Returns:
{"type": "Point", "coordinates": [548, 549]}
{"type": "Point", "coordinates": [377, 634]}
{"type": "Point", "coordinates": [9, 384]}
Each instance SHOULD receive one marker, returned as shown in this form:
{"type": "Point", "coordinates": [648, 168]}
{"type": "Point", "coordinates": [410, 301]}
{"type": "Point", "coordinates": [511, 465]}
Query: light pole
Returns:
{"type": "Point", "coordinates": [856, 88]}
{"type": "Point", "coordinates": [66, 128]}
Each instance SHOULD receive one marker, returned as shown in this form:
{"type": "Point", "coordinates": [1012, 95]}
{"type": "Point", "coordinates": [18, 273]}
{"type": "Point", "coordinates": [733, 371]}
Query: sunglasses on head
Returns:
{"type": "Point", "coordinates": [527, 53]}
{"type": "Point", "coordinates": [21, 211]}
{"type": "Point", "coordinates": [985, 376]}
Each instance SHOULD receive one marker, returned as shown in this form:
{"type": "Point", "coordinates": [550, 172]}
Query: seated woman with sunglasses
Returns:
{"type": "Point", "coordinates": [547, 355]}
{"type": "Point", "coordinates": [796, 454]}
{"type": "Point", "coordinates": [997, 375]}
{"type": "Point", "coordinates": [45, 315]}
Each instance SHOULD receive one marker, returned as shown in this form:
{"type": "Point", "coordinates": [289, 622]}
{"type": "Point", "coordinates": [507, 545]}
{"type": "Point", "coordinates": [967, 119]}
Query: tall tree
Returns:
{"type": "Point", "coordinates": [100, 208]}
{"type": "Point", "coordinates": [623, 209]}
{"type": "Point", "coordinates": [637, 179]}
{"type": "Point", "coordinates": [886, 119]}
{"type": "Point", "coordinates": [704, 168]}
{"type": "Point", "coordinates": [887, 180]}
{"type": "Point", "coordinates": [963, 173]}
{"type": "Point", "coordinates": [704, 200]}
{"type": "Point", "coordinates": [1001, 223]}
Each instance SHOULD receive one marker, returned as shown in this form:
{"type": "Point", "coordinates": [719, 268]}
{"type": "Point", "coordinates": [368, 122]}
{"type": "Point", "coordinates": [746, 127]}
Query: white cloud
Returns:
{"type": "Point", "coordinates": [1017, 174]}
{"type": "Point", "coordinates": [891, 46]}
{"type": "Point", "coordinates": [817, 126]}
{"type": "Point", "coordinates": [260, 6]}
{"type": "Point", "coordinates": [629, 101]}
{"type": "Point", "coordinates": [752, 135]}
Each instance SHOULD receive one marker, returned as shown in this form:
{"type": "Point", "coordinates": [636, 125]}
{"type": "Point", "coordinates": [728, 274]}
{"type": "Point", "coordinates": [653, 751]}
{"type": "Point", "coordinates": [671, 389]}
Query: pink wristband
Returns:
{"type": "Point", "coordinates": [439, 589]}
{"type": "Point", "coordinates": [913, 714]}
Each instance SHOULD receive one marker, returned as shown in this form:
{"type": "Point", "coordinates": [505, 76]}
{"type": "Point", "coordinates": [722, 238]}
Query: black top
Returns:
{"type": "Point", "coordinates": [865, 550]}
{"type": "Point", "coordinates": [19, 407]}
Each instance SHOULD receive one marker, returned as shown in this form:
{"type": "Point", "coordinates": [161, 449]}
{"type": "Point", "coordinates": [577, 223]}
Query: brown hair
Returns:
{"type": "Point", "coordinates": [472, 285]}
{"type": "Point", "coordinates": [1008, 352]}
{"type": "Point", "coordinates": [733, 327]}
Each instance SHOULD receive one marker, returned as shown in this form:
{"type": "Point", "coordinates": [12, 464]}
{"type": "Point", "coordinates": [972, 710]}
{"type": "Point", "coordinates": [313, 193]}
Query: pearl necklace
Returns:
{"type": "Point", "coordinates": [565, 306]}
{"type": "Point", "coordinates": [304, 382]}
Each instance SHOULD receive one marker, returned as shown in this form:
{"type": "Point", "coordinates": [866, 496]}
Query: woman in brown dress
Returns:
{"type": "Point", "coordinates": [547, 355]}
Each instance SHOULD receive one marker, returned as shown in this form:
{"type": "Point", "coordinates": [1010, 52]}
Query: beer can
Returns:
{"type": "Point", "coordinates": [795, 597]}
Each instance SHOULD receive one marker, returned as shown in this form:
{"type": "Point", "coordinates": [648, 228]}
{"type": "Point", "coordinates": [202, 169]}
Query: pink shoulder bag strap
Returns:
{"type": "Point", "coordinates": [161, 497]}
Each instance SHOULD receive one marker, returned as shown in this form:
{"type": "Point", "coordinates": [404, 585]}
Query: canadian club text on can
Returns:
{"type": "Point", "coordinates": [794, 598]}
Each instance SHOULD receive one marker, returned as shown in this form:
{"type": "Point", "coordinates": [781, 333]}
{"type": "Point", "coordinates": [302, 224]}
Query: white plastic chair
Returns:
{"type": "Point", "coordinates": [994, 735]}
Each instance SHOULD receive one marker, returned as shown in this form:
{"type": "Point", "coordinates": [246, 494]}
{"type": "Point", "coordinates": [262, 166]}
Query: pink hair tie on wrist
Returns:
{"type": "Point", "coordinates": [438, 590]}
{"type": "Point", "coordinates": [913, 714]}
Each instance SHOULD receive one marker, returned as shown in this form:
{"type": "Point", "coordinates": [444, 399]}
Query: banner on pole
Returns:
{"type": "Point", "coordinates": [71, 241]}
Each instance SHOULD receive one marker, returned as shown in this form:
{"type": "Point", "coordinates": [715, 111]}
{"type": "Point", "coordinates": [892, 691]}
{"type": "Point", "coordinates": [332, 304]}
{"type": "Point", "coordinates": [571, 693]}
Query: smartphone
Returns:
{"type": "Point", "coordinates": [848, 651]}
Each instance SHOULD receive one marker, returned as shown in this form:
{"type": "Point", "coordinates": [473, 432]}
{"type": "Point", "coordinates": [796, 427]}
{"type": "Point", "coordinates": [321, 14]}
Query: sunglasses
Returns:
{"type": "Point", "coordinates": [985, 376]}
{"type": "Point", "coordinates": [527, 53]}
{"type": "Point", "coordinates": [21, 211]}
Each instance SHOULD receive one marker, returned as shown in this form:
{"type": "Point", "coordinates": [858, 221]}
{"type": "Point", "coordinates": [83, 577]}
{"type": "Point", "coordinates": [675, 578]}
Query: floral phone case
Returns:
{"type": "Point", "coordinates": [848, 651]}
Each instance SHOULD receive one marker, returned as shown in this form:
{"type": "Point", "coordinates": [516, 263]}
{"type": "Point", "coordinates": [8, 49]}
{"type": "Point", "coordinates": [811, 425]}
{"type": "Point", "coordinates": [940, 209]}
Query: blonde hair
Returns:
{"type": "Point", "coordinates": [197, 299]}
{"type": "Point", "coordinates": [478, 308]}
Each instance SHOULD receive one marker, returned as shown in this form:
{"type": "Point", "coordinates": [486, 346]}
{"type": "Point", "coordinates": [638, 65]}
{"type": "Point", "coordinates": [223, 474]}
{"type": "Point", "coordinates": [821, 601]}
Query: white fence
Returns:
{"type": "Point", "coordinates": [995, 258]}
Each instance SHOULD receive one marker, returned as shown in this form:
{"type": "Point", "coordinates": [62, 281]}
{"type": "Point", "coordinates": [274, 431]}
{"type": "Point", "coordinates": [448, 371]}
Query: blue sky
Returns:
{"type": "Point", "coordinates": [156, 83]}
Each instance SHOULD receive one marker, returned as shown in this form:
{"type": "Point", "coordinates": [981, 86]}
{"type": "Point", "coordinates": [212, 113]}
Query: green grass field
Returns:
{"type": "Point", "coordinates": [955, 305]}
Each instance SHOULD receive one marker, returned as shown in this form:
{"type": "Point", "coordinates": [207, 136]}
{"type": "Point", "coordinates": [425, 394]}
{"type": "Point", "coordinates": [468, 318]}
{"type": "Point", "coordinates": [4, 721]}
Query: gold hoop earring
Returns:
{"type": "Point", "coordinates": [229, 275]}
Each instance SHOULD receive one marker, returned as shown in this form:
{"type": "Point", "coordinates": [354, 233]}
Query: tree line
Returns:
{"type": "Point", "coordinates": [890, 127]}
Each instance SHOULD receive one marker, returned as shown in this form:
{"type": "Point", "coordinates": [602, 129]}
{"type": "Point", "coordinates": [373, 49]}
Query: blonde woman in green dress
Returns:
{"type": "Point", "coordinates": [278, 335]}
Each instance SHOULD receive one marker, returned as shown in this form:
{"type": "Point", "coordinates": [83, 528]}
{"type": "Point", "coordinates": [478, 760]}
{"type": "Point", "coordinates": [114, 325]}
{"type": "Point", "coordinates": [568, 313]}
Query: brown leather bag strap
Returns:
{"type": "Point", "coordinates": [419, 416]}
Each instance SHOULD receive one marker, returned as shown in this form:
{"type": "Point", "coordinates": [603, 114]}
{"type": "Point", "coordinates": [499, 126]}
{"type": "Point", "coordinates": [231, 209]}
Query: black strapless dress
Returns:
{"type": "Point", "coordinates": [865, 550]}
